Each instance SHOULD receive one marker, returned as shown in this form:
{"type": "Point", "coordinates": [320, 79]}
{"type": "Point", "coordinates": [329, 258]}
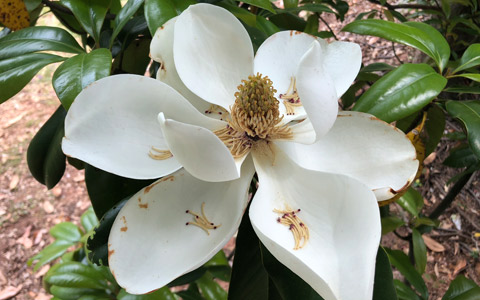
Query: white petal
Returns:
{"type": "Point", "coordinates": [199, 151]}
{"type": "Point", "coordinates": [364, 147]}
{"type": "Point", "coordinates": [112, 125]}
{"type": "Point", "coordinates": [342, 215]}
{"type": "Point", "coordinates": [317, 91]}
{"type": "Point", "coordinates": [161, 50]}
{"type": "Point", "coordinates": [278, 58]}
{"type": "Point", "coordinates": [342, 62]}
{"type": "Point", "coordinates": [212, 52]}
{"type": "Point", "coordinates": [150, 243]}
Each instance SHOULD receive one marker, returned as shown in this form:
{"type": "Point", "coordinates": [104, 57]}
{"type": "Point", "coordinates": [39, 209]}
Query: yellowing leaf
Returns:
{"type": "Point", "coordinates": [14, 14]}
{"type": "Point", "coordinates": [414, 137]}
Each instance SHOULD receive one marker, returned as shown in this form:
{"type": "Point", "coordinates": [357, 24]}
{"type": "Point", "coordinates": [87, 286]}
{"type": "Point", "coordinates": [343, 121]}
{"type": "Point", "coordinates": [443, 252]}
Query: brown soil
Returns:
{"type": "Point", "coordinates": [28, 209]}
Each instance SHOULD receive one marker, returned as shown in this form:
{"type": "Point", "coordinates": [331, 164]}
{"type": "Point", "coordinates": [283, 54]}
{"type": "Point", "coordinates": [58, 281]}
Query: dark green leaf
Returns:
{"type": "Point", "coordinates": [419, 251]}
{"type": "Point", "coordinates": [16, 72]}
{"type": "Point", "coordinates": [411, 201]}
{"type": "Point", "coordinates": [377, 67]}
{"type": "Point", "coordinates": [463, 89]}
{"type": "Point", "coordinates": [242, 14]}
{"type": "Point", "coordinates": [189, 277]}
{"type": "Point", "coordinates": [135, 58]}
{"type": "Point", "coordinates": [192, 293]}
{"type": "Point", "coordinates": [400, 261]}
{"type": "Point", "coordinates": [70, 293]}
{"type": "Point", "coordinates": [69, 21]}
{"type": "Point", "coordinates": [288, 284]}
{"type": "Point", "coordinates": [123, 16]}
{"type": "Point", "coordinates": [312, 25]}
{"type": "Point", "coordinates": [221, 272]}
{"type": "Point", "coordinates": [97, 243]}
{"type": "Point", "coordinates": [265, 4]}
{"type": "Point", "coordinates": [66, 231]}
{"type": "Point", "coordinates": [314, 7]}
{"type": "Point", "coordinates": [38, 38]}
{"type": "Point", "coordinates": [383, 287]}
{"type": "Point", "coordinates": [404, 292]}
{"type": "Point", "coordinates": [425, 221]}
{"type": "Point", "coordinates": [401, 92]}
{"type": "Point", "coordinates": [45, 158]}
{"type": "Point", "coordinates": [106, 189]}
{"type": "Point", "coordinates": [471, 76]}
{"type": "Point", "coordinates": [288, 21]}
{"type": "Point", "coordinates": [77, 72]}
{"type": "Point", "coordinates": [290, 3]}
{"type": "Point", "coordinates": [160, 294]}
{"type": "Point", "coordinates": [469, 113]}
{"type": "Point", "coordinates": [210, 289]}
{"type": "Point", "coordinates": [418, 35]}
{"type": "Point", "coordinates": [391, 223]}
{"type": "Point", "coordinates": [90, 14]}
{"type": "Point", "coordinates": [157, 12]}
{"type": "Point", "coordinates": [249, 278]}
{"type": "Point", "coordinates": [470, 58]}
{"type": "Point", "coordinates": [462, 289]}
{"type": "Point", "coordinates": [434, 127]}
{"type": "Point", "coordinates": [461, 157]}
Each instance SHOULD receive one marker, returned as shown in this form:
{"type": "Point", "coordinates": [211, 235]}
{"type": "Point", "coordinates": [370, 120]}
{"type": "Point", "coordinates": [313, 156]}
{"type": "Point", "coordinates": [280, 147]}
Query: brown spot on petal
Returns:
{"type": "Point", "coordinates": [143, 205]}
{"type": "Point", "coordinates": [344, 115]}
{"type": "Point", "coordinates": [124, 228]}
{"type": "Point", "coordinates": [110, 252]}
{"type": "Point", "coordinates": [148, 188]}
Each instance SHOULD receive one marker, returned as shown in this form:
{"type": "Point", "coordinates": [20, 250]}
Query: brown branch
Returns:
{"type": "Point", "coordinates": [400, 6]}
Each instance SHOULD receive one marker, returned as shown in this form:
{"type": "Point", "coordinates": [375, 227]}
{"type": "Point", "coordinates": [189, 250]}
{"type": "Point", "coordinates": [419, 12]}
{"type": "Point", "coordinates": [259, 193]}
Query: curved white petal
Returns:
{"type": "Point", "coordinates": [278, 58]}
{"type": "Point", "coordinates": [112, 125]}
{"type": "Point", "coordinates": [343, 219]}
{"type": "Point", "coordinates": [161, 50]}
{"type": "Point", "coordinates": [150, 243]}
{"type": "Point", "coordinates": [364, 147]}
{"type": "Point", "coordinates": [212, 52]}
{"type": "Point", "coordinates": [199, 151]}
{"type": "Point", "coordinates": [342, 62]}
{"type": "Point", "coordinates": [317, 91]}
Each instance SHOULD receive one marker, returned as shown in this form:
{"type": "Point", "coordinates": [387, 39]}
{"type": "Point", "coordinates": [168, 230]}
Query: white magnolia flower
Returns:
{"type": "Point", "coordinates": [210, 122]}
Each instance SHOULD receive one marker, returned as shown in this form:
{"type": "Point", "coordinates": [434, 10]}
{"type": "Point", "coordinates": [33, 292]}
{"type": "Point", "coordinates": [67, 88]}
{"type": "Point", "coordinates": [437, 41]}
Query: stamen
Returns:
{"type": "Point", "coordinates": [300, 231]}
{"type": "Point", "coordinates": [162, 154]}
{"type": "Point", "coordinates": [290, 98]}
{"type": "Point", "coordinates": [202, 221]}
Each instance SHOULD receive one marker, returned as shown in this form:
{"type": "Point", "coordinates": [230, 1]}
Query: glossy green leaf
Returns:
{"type": "Point", "coordinates": [49, 253]}
{"type": "Point", "coordinates": [377, 67]}
{"type": "Point", "coordinates": [290, 3]}
{"type": "Point", "coordinates": [157, 12]}
{"type": "Point", "coordinates": [89, 219]}
{"type": "Point", "coordinates": [192, 293]}
{"type": "Point", "coordinates": [97, 243]}
{"type": "Point", "coordinates": [189, 277]}
{"type": "Point", "coordinates": [312, 7]}
{"type": "Point", "coordinates": [469, 59]}
{"type": "Point", "coordinates": [419, 251]}
{"type": "Point", "coordinates": [288, 284]}
{"type": "Point", "coordinates": [265, 4]}
{"type": "Point", "coordinates": [463, 89]}
{"type": "Point", "coordinates": [461, 157]}
{"type": "Point", "coordinates": [462, 288]}
{"type": "Point", "coordinates": [77, 72]}
{"type": "Point", "coordinates": [469, 113]}
{"type": "Point", "coordinates": [411, 201]}
{"type": "Point", "coordinates": [249, 277]}
{"type": "Point", "coordinates": [45, 158]}
{"type": "Point", "coordinates": [471, 76]}
{"type": "Point", "coordinates": [66, 231]}
{"type": "Point", "coordinates": [425, 221]}
{"type": "Point", "coordinates": [161, 294]}
{"type": "Point", "coordinates": [135, 58]}
{"type": "Point", "coordinates": [383, 287]}
{"type": "Point", "coordinates": [404, 292]}
{"type": "Point", "coordinates": [391, 223]}
{"type": "Point", "coordinates": [16, 72]}
{"type": "Point", "coordinates": [74, 280]}
{"type": "Point", "coordinates": [210, 289]}
{"type": "Point", "coordinates": [123, 16]}
{"type": "Point", "coordinates": [312, 25]}
{"type": "Point", "coordinates": [69, 21]}
{"type": "Point", "coordinates": [434, 127]}
{"type": "Point", "coordinates": [38, 38]}
{"type": "Point", "coordinates": [288, 21]}
{"type": "Point", "coordinates": [418, 35]}
{"type": "Point", "coordinates": [242, 14]}
{"type": "Point", "coordinates": [401, 92]}
{"type": "Point", "coordinates": [401, 261]}
{"type": "Point", "coordinates": [70, 293]}
{"type": "Point", "coordinates": [90, 14]}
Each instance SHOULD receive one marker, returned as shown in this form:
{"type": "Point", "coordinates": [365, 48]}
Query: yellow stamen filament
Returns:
{"type": "Point", "coordinates": [300, 231]}
{"type": "Point", "coordinates": [290, 98]}
{"type": "Point", "coordinates": [253, 117]}
{"type": "Point", "coordinates": [161, 154]}
{"type": "Point", "coordinates": [202, 220]}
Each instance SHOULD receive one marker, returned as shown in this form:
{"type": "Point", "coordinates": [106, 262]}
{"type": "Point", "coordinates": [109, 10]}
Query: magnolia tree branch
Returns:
{"type": "Point", "coordinates": [400, 6]}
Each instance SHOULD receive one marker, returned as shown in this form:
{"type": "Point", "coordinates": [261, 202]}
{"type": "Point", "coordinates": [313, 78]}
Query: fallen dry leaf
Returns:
{"type": "Point", "coordinates": [477, 268]}
{"type": "Point", "coordinates": [25, 240]}
{"type": "Point", "coordinates": [14, 182]}
{"type": "Point", "coordinates": [3, 280]}
{"type": "Point", "coordinates": [433, 244]}
{"type": "Point", "coordinates": [430, 158]}
{"type": "Point", "coordinates": [48, 207]}
{"type": "Point", "coordinates": [57, 191]}
{"type": "Point", "coordinates": [9, 292]}
{"type": "Point", "coordinates": [42, 271]}
{"type": "Point", "coordinates": [461, 264]}
{"type": "Point", "coordinates": [79, 177]}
